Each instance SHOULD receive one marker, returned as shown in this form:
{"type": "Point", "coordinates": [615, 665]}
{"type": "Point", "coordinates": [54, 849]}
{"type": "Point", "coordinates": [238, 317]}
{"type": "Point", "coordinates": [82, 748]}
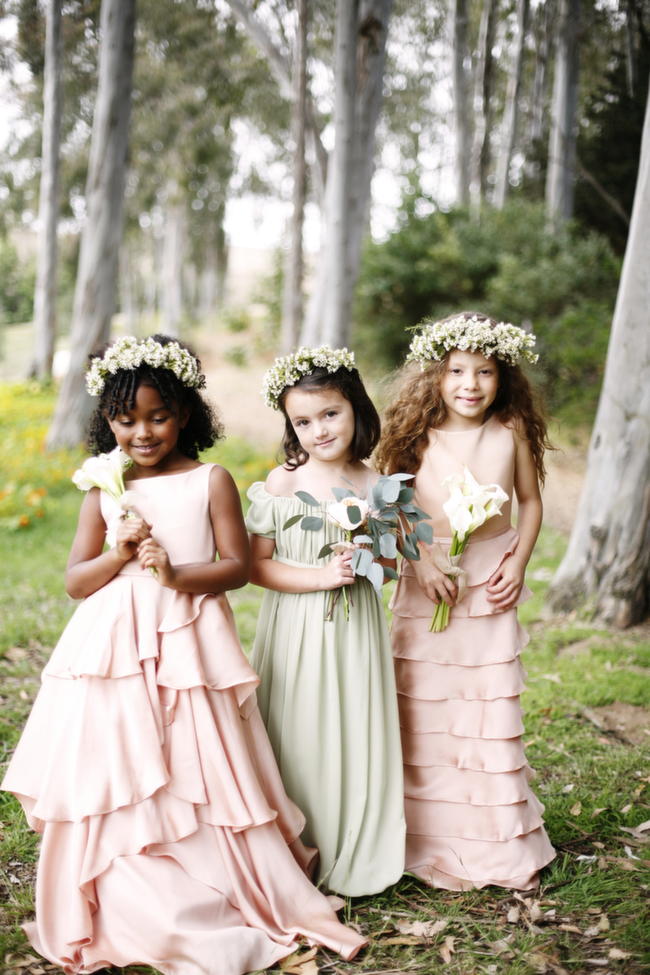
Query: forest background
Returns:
{"type": "Point", "coordinates": [492, 157]}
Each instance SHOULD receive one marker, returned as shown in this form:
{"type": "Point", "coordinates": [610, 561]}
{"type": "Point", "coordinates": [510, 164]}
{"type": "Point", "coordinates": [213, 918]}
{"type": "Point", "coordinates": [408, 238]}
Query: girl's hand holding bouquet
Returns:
{"type": "Point", "coordinates": [469, 506]}
{"type": "Point", "coordinates": [374, 527]}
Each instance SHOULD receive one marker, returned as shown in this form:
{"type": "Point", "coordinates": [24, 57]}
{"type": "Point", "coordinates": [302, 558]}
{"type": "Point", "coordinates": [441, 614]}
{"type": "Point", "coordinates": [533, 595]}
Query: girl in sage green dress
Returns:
{"type": "Point", "coordinates": [328, 691]}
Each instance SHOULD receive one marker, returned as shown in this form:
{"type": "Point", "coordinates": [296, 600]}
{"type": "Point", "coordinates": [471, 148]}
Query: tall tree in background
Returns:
{"type": "Point", "coordinates": [360, 50]}
{"type": "Point", "coordinates": [560, 173]}
{"type": "Point", "coordinates": [483, 102]}
{"type": "Point", "coordinates": [607, 564]}
{"type": "Point", "coordinates": [96, 285]}
{"type": "Point", "coordinates": [462, 103]}
{"type": "Point", "coordinates": [48, 210]}
{"type": "Point", "coordinates": [511, 110]}
{"type": "Point", "coordinates": [292, 296]}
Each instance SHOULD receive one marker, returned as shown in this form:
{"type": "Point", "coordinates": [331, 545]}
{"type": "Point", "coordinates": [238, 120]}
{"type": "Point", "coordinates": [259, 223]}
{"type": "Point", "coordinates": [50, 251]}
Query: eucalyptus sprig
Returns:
{"type": "Point", "coordinates": [379, 526]}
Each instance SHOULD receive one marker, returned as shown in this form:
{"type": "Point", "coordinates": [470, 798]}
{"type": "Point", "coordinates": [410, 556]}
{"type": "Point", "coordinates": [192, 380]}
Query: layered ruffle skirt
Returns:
{"type": "Point", "coordinates": [167, 837]}
{"type": "Point", "coordinates": [472, 818]}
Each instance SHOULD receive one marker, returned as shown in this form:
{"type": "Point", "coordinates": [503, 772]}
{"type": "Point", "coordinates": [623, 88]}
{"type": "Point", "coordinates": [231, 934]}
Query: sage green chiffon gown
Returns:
{"type": "Point", "coordinates": [328, 700]}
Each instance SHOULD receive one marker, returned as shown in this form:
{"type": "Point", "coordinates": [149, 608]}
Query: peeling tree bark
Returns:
{"type": "Point", "coordinates": [94, 300]}
{"type": "Point", "coordinates": [607, 564]}
{"type": "Point", "coordinates": [483, 105]}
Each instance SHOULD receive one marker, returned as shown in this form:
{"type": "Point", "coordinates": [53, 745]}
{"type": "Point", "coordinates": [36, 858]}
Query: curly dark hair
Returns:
{"type": "Point", "coordinates": [419, 407]}
{"type": "Point", "coordinates": [367, 426]}
{"type": "Point", "coordinates": [202, 429]}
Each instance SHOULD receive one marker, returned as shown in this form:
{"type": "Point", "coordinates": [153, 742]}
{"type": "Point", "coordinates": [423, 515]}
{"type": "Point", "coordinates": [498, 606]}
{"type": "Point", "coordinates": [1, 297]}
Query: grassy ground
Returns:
{"type": "Point", "coordinates": [587, 736]}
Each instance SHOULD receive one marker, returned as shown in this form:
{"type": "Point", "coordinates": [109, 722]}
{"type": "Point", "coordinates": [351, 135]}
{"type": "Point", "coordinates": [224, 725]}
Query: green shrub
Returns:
{"type": "Point", "coordinates": [17, 280]}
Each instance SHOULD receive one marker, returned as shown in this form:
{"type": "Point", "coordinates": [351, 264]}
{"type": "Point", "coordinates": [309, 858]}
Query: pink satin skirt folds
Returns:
{"type": "Point", "coordinates": [472, 818]}
{"type": "Point", "coordinates": [167, 837]}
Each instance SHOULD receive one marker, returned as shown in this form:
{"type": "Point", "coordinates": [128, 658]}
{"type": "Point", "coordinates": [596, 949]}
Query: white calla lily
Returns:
{"type": "Point", "coordinates": [105, 471]}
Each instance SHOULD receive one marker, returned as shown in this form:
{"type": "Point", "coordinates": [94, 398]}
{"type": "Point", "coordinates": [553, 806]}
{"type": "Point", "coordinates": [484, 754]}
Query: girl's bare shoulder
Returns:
{"type": "Point", "coordinates": [281, 482]}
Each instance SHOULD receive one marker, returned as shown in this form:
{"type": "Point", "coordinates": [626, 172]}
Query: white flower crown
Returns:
{"type": "Point", "coordinates": [287, 370]}
{"type": "Point", "coordinates": [129, 353]}
{"type": "Point", "coordinates": [502, 340]}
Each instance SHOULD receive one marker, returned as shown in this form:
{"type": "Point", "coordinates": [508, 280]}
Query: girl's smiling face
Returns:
{"type": "Point", "coordinates": [148, 433]}
{"type": "Point", "coordinates": [468, 387]}
{"type": "Point", "coordinates": [323, 421]}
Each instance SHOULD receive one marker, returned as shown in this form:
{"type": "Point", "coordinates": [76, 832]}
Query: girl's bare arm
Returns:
{"type": "Point", "coordinates": [271, 574]}
{"type": "Point", "coordinates": [89, 567]}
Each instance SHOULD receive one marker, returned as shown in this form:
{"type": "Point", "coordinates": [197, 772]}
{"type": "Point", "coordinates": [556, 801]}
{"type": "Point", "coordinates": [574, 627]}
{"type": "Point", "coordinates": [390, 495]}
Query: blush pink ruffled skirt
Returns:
{"type": "Point", "coordinates": [472, 818]}
{"type": "Point", "coordinates": [167, 837]}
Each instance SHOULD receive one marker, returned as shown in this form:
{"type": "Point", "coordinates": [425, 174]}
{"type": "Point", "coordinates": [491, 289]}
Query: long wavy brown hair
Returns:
{"type": "Point", "coordinates": [419, 407]}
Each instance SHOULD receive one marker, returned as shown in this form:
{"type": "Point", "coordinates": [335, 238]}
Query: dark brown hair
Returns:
{"type": "Point", "coordinates": [348, 382]}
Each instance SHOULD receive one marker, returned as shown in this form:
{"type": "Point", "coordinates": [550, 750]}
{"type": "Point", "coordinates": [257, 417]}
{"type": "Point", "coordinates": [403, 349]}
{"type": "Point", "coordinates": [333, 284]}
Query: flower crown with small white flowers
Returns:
{"type": "Point", "coordinates": [287, 370]}
{"type": "Point", "coordinates": [501, 339]}
{"type": "Point", "coordinates": [129, 353]}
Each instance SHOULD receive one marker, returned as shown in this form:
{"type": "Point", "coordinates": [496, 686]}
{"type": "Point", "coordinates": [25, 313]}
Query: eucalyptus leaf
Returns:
{"type": "Point", "coordinates": [389, 490]}
{"type": "Point", "coordinates": [311, 523]}
{"type": "Point", "coordinates": [399, 477]}
{"type": "Point", "coordinates": [307, 498]}
{"type": "Point", "coordinates": [424, 532]}
{"type": "Point", "coordinates": [292, 521]}
{"type": "Point", "coordinates": [376, 575]}
{"type": "Point", "coordinates": [362, 540]}
{"type": "Point", "coordinates": [354, 514]}
{"type": "Point", "coordinates": [388, 546]}
{"type": "Point", "coordinates": [326, 550]}
{"type": "Point", "coordinates": [390, 572]}
{"type": "Point", "coordinates": [361, 561]}
{"type": "Point", "coordinates": [405, 495]}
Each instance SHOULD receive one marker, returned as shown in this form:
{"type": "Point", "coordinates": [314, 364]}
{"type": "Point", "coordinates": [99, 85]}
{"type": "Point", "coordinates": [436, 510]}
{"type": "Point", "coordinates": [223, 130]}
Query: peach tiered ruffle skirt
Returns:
{"type": "Point", "coordinates": [167, 837]}
{"type": "Point", "coordinates": [472, 818]}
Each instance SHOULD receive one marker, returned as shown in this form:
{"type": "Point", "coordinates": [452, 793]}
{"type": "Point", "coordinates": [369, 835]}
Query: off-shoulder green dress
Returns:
{"type": "Point", "coordinates": [328, 700]}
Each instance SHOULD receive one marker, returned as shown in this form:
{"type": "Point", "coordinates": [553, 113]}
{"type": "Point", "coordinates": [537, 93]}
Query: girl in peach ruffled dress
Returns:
{"type": "Point", "coordinates": [167, 837]}
{"type": "Point", "coordinates": [472, 818]}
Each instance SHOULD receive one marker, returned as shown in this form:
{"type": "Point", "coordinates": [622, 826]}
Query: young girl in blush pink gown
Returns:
{"type": "Point", "coordinates": [472, 819]}
{"type": "Point", "coordinates": [167, 837]}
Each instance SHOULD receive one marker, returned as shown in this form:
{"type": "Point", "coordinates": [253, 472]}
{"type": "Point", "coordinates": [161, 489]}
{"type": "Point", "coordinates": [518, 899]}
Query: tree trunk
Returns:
{"type": "Point", "coordinates": [511, 111]}
{"type": "Point", "coordinates": [560, 174]}
{"type": "Point", "coordinates": [483, 104]}
{"type": "Point", "coordinates": [94, 300]}
{"type": "Point", "coordinates": [607, 564]}
{"type": "Point", "coordinates": [540, 79]}
{"type": "Point", "coordinates": [362, 30]}
{"type": "Point", "coordinates": [48, 210]}
{"type": "Point", "coordinates": [462, 110]}
{"type": "Point", "coordinates": [292, 299]}
{"type": "Point", "coordinates": [173, 252]}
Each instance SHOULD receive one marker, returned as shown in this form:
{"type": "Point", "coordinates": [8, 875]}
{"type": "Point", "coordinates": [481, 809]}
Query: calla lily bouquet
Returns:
{"type": "Point", "coordinates": [375, 527]}
{"type": "Point", "coordinates": [469, 506]}
{"type": "Point", "coordinates": [106, 472]}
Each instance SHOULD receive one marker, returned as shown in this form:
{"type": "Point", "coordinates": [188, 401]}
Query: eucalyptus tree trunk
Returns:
{"type": "Point", "coordinates": [462, 108]}
{"type": "Point", "coordinates": [346, 174]}
{"type": "Point", "coordinates": [292, 298]}
{"type": "Point", "coordinates": [483, 81]}
{"type": "Point", "coordinates": [511, 111]}
{"type": "Point", "coordinates": [173, 254]}
{"type": "Point", "coordinates": [560, 173]}
{"type": "Point", "coordinates": [94, 299]}
{"type": "Point", "coordinates": [544, 17]}
{"type": "Point", "coordinates": [607, 564]}
{"type": "Point", "coordinates": [362, 28]}
{"type": "Point", "coordinates": [48, 210]}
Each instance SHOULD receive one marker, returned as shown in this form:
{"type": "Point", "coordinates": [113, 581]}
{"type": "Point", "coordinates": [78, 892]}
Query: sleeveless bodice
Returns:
{"type": "Point", "coordinates": [489, 453]}
{"type": "Point", "coordinates": [177, 508]}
